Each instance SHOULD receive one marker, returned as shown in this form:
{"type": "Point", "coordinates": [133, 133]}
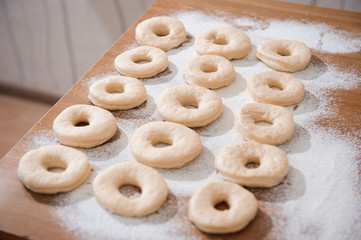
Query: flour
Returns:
{"type": "Point", "coordinates": [319, 199]}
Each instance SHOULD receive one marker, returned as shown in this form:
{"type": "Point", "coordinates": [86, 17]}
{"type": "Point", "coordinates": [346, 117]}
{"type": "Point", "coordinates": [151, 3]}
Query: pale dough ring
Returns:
{"type": "Point", "coordinates": [173, 102]}
{"type": "Point", "coordinates": [33, 169]}
{"type": "Point", "coordinates": [231, 161]}
{"type": "Point", "coordinates": [281, 120]}
{"type": "Point", "coordinates": [210, 71]}
{"type": "Point", "coordinates": [154, 189]}
{"type": "Point", "coordinates": [242, 207]}
{"type": "Point", "coordinates": [284, 55]}
{"type": "Point", "coordinates": [129, 63]}
{"type": "Point", "coordinates": [225, 41]}
{"type": "Point", "coordinates": [117, 93]}
{"type": "Point", "coordinates": [161, 32]}
{"type": "Point", "coordinates": [102, 126]}
{"type": "Point", "coordinates": [289, 90]}
{"type": "Point", "coordinates": [184, 144]}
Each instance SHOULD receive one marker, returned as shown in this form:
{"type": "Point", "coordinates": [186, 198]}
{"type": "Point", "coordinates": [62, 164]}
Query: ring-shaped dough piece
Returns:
{"type": "Point", "coordinates": [280, 119]}
{"type": "Point", "coordinates": [242, 207]}
{"type": "Point", "coordinates": [173, 103]}
{"type": "Point", "coordinates": [154, 190]}
{"type": "Point", "coordinates": [225, 41]}
{"type": "Point", "coordinates": [161, 32]}
{"type": "Point", "coordinates": [141, 62]}
{"type": "Point", "coordinates": [210, 71]}
{"type": "Point", "coordinates": [231, 161]}
{"type": "Point", "coordinates": [102, 125]}
{"type": "Point", "coordinates": [117, 93]}
{"type": "Point", "coordinates": [276, 88]}
{"type": "Point", "coordinates": [183, 144]}
{"type": "Point", "coordinates": [34, 169]}
{"type": "Point", "coordinates": [284, 55]}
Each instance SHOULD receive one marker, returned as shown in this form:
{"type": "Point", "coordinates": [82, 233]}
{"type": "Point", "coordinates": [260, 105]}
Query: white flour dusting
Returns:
{"type": "Point", "coordinates": [320, 197]}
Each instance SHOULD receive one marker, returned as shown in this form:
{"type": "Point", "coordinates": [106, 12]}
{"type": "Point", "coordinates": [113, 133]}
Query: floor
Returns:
{"type": "Point", "coordinates": [17, 116]}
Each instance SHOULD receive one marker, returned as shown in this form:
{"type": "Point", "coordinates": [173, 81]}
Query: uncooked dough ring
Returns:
{"type": "Point", "coordinates": [33, 169]}
{"type": "Point", "coordinates": [284, 55]}
{"type": "Point", "coordinates": [242, 207]}
{"type": "Point", "coordinates": [225, 41]}
{"type": "Point", "coordinates": [102, 126]}
{"type": "Point", "coordinates": [117, 93]}
{"type": "Point", "coordinates": [231, 161]}
{"type": "Point", "coordinates": [280, 130]}
{"type": "Point", "coordinates": [184, 144]}
{"type": "Point", "coordinates": [154, 189]}
{"type": "Point", "coordinates": [129, 63]}
{"type": "Point", "coordinates": [290, 90]}
{"type": "Point", "coordinates": [173, 101]}
{"type": "Point", "coordinates": [210, 71]}
{"type": "Point", "coordinates": [161, 32]}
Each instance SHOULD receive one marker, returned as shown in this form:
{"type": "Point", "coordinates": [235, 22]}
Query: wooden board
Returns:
{"type": "Point", "coordinates": [28, 215]}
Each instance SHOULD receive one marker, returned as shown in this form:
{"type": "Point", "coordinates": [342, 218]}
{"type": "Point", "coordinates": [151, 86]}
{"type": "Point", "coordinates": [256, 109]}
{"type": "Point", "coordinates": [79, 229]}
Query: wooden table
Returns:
{"type": "Point", "coordinates": [28, 215]}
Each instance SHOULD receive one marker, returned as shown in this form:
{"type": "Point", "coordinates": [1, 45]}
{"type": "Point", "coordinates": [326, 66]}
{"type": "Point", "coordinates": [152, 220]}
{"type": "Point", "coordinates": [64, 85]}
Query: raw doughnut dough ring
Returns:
{"type": "Point", "coordinates": [161, 32]}
{"type": "Point", "coordinates": [231, 161]}
{"type": "Point", "coordinates": [117, 93]}
{"type": "Point", "coordinates": [210, 71]}
{"type": "Point", "coordinates": [102, 126]}
{"type": "Point", "coordinates": [281, 120]}
{"type": "Point", "coordinates": [129, 63]}
{"type": "Point", "coordinates": [154, 189]}
{"type": "Point", "coordinates": [184, 144]}
{"type": "Point", "coordinates": [225, 41]}
{"type": "Point", "coordinates": [33, 169]}
{"type": "Point", "coordinates": [173, 101]}
{"type": "Point", "coordinates": [284, 55]}
{"type": "Point", "coordinates": [242, 207]}
{"type": "Point", "coordinates": [290, 90]}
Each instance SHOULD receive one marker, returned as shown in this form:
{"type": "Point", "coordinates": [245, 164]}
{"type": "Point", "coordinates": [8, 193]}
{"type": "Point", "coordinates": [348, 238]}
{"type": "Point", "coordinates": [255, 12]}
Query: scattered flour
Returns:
{"type": "Point", "coordinates": [320, 197]}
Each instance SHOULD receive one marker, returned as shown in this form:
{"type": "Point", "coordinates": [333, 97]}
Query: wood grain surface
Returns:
{"type": "Point", "coordinates": [26, 214]}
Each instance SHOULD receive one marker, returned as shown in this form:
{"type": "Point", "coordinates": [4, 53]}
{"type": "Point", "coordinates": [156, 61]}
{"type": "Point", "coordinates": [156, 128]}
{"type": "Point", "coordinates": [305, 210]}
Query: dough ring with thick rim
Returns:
{"type": "Point", "coordinates": [284, 55]}
{"type": "Point", "coordinates": [154, 190]}
{"type": "Point", "coordinates": [173, 103]}
{"type": "Point", "coordinates": [141, 62]}
{"type": "Point", "coordinates": [210, 71]}
{"type": "Point", "coordinates": [35, 166]}
{"type": "Point", "coordinates": [161, 32]}
{"type": "Point", "coordinates": [225, 41]}
{"type": "Point", "coordinates": [117, 93]}
{"type": "Point", "coordinates": [276, 88]}
{"type": "Point", "coordinates": [232, 162]}
{"type": "Point", "coordinates": [183, 144]}
{"type": "Point", "coordinates": [242, 207]}
{"type": "Point", "coordinates": [280, 119]}
{"type": "Point", "coordinates": [102, 125]}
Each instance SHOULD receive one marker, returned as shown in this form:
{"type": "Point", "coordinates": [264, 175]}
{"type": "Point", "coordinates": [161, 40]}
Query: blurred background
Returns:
{"type": "Point", "coordinates": [47, 45]}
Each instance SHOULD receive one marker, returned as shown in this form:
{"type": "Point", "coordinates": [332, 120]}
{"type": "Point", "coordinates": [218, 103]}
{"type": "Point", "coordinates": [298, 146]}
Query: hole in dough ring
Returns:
{"type": "Point", "coordinates": [102, 126]}
{"type": "Point", "coordinates": [284, 55]}
{"type": "Point", "coordinates": [161, 32]}
{"type": "Point", "coordinates": [33, 169]}
{"type": "Point", "coordinates": [117, 93]}
{"type": "Point", "coordinates": [129, 63]}
{"type": "Point", "coordinates": [210, 71]}
{"type": "Point", "coordinates": [290, 90]}
{"type": "Point", "coordinates": [231, 161]}
{"type": "Point", "coordinates": [154, 189]}
{"type": "Point", "coordinates": [279, 131]}
{"type": "Point", "coordinates": [184, 144]}
{"type": "Point", "coordinates": [225, 41]}
{"type": "Point", "coordinates": [173, 101]}
{"type": "Point", "coordinates": [242, 207]}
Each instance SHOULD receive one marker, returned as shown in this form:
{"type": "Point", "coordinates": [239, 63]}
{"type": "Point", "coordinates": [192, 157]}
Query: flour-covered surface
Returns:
{"type": "Point", "coordinates": [320, 197]}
